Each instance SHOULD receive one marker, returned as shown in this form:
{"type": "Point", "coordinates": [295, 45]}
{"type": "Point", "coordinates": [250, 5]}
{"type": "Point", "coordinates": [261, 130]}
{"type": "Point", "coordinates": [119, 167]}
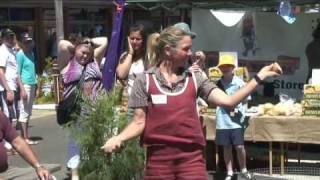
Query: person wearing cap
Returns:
{"type": "Point", "coordinates": [186, 28]}
{"type": "Point", "coordinates": [229, 121]}
{"type": "Point", "coordinates": [196, 61]}
{"type": "Point", "coordinates": [9, 77]}
{"type": "Point", "coordinates": [27, 71]}
{"type": "Point", "coordinates": [165, 114]}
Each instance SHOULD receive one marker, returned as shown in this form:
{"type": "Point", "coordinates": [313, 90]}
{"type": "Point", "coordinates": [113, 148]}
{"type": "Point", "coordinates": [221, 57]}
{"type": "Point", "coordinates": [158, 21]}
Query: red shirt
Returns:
{"type": "Point", "coordinates": [8, 133]}
{"type": "Point", "coordinates": [172, 118]}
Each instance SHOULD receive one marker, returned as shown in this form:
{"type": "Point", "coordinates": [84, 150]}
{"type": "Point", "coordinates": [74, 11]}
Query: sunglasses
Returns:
{"type": "Point", "coordinates": [87, 41]}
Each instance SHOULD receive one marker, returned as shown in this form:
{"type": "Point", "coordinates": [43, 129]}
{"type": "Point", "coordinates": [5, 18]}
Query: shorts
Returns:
{"type": "Point", "coordinates": [10, 111]}
{"type": "Point", "coordinates": [26, 104]}
{"type": "Point", "coordinates": [226, 137]}
{"type": "Point", "coordinates": [175, 163]}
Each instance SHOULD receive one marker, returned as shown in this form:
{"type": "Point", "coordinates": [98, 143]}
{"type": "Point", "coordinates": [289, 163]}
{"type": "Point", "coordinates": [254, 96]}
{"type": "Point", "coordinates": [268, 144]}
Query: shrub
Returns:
{"type": "Point", "coordinates": [100, 120]}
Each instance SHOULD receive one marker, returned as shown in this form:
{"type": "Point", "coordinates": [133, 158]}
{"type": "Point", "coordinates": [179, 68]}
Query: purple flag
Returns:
{"type": "Point", "coordinates": [113, 52]}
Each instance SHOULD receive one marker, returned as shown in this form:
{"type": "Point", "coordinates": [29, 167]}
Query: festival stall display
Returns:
{"type": "Point", "coordinates": [287, 108]}
{"type": "Point", "coordinates": [311, 100]}
{"type": "Point", "coordinates": [214, 75]}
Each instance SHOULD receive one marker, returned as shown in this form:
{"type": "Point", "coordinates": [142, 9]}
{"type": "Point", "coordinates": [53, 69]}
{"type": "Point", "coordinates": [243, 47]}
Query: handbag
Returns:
{"type": "Point", "coordinates": [70, 105]}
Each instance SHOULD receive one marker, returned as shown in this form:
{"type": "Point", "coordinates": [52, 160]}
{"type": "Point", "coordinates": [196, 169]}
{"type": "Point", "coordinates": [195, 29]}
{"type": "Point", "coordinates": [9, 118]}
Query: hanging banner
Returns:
{"type": "Point", "coordinates": [260, 39]}
{"type": "Point", "coordinates": [113, 53]}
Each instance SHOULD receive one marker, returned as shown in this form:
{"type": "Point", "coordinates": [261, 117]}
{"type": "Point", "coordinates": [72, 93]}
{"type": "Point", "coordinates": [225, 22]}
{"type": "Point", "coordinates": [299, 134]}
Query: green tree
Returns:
{"type": "Point", "coordinates": [100, 120]}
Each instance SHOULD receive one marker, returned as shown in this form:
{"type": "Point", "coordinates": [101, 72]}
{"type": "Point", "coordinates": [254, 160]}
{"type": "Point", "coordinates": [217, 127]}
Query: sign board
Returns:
{"type": "Point", "coordinates": [260, 38]}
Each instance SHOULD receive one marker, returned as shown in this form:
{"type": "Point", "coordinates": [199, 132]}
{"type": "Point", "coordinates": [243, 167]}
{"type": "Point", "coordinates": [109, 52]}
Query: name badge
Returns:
{"type": "Point", "coordinates": [158, 99]}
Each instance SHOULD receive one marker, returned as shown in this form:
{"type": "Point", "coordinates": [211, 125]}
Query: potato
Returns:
{"type": "Point", "coordinates": [276, 68]}
{"type": "Point", "coordinates": [267, 107]}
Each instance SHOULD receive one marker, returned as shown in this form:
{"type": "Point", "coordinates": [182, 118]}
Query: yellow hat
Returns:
{"type": "Point", "coordinates": [226, 59]}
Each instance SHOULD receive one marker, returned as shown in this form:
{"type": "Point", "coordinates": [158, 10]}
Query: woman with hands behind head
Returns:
{"type": "Point", "coordinates": [165, 113]}
{"type": "Point", "coordinates": [82, 58]}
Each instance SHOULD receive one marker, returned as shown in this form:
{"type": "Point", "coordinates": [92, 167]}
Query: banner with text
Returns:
{"type": "Point", "coordinates": [259, 39]}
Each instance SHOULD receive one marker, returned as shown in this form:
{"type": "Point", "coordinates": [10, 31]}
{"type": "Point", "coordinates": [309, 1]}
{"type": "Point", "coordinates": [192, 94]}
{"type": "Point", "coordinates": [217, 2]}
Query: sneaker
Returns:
{"type": "Point", "coordinates": [7, 145]}
{"type": "Point", "coordinates": [11, 152]}
{"type": "Point", "coordinates": [228, 177]}
{"type": "Point", "coordinates": [30, 142]}
{"type": "Point", "coordinates": [247, 175]}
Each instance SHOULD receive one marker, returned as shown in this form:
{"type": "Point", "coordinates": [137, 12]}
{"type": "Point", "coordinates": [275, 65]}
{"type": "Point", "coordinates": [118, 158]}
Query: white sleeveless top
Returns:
{"type": "Point", "coordinates": [136, 68]}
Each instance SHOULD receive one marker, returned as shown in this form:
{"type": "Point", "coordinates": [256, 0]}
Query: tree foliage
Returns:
{"type": "Point", "coordinates": [98, 121]}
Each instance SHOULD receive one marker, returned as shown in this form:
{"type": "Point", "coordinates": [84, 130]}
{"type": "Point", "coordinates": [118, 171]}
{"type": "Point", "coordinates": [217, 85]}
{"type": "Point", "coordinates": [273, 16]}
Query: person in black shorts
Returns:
{"type": "Point", "coordinates": [230, 132]}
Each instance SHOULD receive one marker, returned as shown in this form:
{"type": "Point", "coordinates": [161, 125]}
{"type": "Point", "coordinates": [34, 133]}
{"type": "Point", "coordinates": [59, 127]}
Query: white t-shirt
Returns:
{"type": "Point", "coordinates": [9, 62]}
{"type": "Point", "coordinates": [137, 67]}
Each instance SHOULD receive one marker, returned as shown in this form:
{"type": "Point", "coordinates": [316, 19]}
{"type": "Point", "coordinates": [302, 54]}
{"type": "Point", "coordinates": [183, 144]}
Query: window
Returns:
{"type": "Point", "coordinates": [4, 14]}
{"type": "Point", "coordinates": [21, 14]}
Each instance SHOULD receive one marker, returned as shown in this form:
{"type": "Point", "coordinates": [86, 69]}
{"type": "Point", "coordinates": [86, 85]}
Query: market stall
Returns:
{"type": "Point", "coordinates": [283, 129]}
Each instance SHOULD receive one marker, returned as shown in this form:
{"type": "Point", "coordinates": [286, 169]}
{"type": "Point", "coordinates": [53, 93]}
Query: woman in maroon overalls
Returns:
{"type": "Point", "coordinates": [165, 113]}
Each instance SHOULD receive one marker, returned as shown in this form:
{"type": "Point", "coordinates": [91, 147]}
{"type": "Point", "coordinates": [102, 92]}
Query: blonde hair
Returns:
{"type": "Point", "coordinates": [151, 44]}
{"type": "Point", "coordinates": [170, 36]}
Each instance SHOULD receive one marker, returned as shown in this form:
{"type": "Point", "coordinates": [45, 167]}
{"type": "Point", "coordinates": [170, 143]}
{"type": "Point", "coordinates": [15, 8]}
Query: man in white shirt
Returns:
{"type": "Point", "coordinates": [10, 81]}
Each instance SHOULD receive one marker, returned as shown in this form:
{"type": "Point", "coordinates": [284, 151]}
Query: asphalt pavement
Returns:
{"type": "Point", "coordinates": [52, 146]}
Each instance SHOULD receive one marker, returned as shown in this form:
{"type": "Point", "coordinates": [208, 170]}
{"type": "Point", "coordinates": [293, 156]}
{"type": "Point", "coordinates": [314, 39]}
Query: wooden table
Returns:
{"type": "Point", "coordinates": [282, 129]}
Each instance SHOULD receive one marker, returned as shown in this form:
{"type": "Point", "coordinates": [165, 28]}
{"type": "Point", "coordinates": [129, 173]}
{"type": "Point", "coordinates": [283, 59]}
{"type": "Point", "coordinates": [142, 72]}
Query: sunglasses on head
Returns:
{"type": "Point", "coordinates": [87, 41]}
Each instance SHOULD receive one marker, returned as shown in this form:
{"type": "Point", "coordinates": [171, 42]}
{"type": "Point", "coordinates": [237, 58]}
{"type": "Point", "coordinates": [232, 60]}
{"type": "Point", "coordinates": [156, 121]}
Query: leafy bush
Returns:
{"type": "Point", "coordinates": [45, 99]}
{"type": "Point", "coordinates": [45, 83]}
{"type": "Point", "coordinates": [99, 121]}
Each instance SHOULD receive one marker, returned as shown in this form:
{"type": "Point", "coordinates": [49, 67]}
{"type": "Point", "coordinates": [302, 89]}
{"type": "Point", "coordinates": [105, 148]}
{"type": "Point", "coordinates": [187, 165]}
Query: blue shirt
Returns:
{"type": "Point", "coordinates": [26, 67]}
{"type": "Point", "coordinates": [224, 120]}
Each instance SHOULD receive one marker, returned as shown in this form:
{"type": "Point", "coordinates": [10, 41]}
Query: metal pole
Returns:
{"type": "Point", "coordinates": [270, 158]}
{"type": "Point", "coordinates": [58, 4]}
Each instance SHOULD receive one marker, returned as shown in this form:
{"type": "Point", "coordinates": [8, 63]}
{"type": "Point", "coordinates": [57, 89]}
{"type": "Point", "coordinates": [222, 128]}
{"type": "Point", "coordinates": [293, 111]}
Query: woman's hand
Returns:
{"type": "Point", "coordinates": [10, 97]}
{"type": "Point", "coordinates": [194, 68]}
{"type": "Point", "coordinates": [43, 173]}
{"type": "Point", "coordinates": [112, 145]}
{"type": "Point", "coordinates": [198, 57]}
{"type": "Point", "coordinates": [23, 94]}
{"type": "Point", "coordinates": [266, 72]}
{"type": "Point", "coordinates": [130, 48]}
{"type": "Point", "coordinates": [38, 92]}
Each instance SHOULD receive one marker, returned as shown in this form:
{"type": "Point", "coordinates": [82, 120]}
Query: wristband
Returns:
{"type": "Point", "coordinates": [257, 78]}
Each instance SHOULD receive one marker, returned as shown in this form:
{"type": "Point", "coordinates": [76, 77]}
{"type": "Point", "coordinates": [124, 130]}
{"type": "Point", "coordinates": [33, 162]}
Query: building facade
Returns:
{"type": "Point", "coordinates": [81, 18]}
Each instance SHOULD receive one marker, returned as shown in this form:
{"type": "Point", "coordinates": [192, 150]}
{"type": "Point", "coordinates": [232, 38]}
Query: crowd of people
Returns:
{"type": "Point", "coordinates": [165, 82]}
{"type": "Point", "coordinates": [18, 85]}
{"type": "Point", "coordinates": [163, 100]}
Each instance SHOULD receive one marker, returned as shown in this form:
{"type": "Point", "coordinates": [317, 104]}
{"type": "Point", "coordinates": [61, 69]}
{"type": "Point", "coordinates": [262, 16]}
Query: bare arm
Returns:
{"type": "Point", "coordinates": [65, 51]}
{"type": "Point", "coordinates": [220, 98]}
{"type": "Point", "coordinates": [3, 78]}
{"type": "Point", "coordinates": [124, 66]}
{"type": "Point", "coordinates": [125, 62]}
{"type": "Point", "coordinates": [10, 94]}
{"type": "Point", "coordinates": [23, 93]}
{"type": "Point", "coordinates": [100, 44]}
{"type": "Point", "coordinates": [134, 129]}
{"type": "Point", "coordinates": [26, 152]}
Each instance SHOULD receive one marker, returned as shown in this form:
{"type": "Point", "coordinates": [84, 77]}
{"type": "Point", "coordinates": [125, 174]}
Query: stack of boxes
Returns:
{"type": "Point", "coordinates": [311, 100]}
{"type": "Point", "coordinates": [243, 73]}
